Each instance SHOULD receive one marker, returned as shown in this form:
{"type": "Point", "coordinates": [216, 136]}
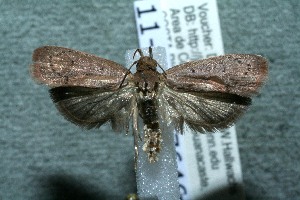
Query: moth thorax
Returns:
{"type": "Point", "coordinates": [152, 143]}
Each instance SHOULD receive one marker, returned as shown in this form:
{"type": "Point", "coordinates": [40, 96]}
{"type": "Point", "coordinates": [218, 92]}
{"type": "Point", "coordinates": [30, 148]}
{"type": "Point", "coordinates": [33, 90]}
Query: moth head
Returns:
{"type": "Point", "coordinates": [145, 62]}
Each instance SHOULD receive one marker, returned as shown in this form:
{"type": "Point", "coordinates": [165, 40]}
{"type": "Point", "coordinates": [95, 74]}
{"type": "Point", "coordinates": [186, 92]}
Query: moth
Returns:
{"type": "Point", "coordinates": [207, 95]}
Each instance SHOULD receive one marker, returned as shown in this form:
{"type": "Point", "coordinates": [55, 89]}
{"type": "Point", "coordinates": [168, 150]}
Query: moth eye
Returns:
{"type": "Point", "coordinates": [192, 70]}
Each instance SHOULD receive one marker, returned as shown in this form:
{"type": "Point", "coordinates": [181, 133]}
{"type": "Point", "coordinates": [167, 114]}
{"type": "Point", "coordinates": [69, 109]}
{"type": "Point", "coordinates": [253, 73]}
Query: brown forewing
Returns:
{"type": "Point", "coordinates": [240, 74]}
{"type": "Point", "coordinates": [59, 66]}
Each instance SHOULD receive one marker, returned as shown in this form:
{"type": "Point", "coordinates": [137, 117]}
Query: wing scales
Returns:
{"type": "Point", "coordinates": [59, 66]}
{"type": "Point", "coordinates": [202, 111]}
{"type": "Point", "coordinates": [90, 107]}
{"type": "Point", "coordinates": [211, 94]}
{"type": "Point", "coordinates": [206, 94]}
{"type": "Point", "coordinates": [240, 74]}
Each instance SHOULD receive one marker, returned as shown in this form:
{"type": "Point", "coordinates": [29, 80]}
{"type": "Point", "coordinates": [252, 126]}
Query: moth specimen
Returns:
{"type": "Point", "coordinates": [207, 94]}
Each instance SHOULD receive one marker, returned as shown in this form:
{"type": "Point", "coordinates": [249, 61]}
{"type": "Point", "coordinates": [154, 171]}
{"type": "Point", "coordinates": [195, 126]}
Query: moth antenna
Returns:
{"type": "Point", "coordinates": [151, 56]}
{"type": "Point", "coordinates": [140, 52]}
{"type": "Point", "coordinates": [164, 73]}
{"type": "Point", "coordinates": [150, 52]}
{"type": "Point", "coordinates": [128, 71]}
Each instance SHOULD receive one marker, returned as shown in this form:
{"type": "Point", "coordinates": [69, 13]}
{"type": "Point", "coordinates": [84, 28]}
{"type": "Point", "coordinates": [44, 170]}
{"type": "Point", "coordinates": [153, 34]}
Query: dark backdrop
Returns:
{"type": "Point", "coordinates": [45, 157]}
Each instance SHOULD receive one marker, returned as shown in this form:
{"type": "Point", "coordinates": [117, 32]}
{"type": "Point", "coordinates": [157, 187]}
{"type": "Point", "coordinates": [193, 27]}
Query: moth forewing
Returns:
{"type": "Point", "coordinates": [59, 66]}
{"type": "Point", "coordinates": [241, 74]}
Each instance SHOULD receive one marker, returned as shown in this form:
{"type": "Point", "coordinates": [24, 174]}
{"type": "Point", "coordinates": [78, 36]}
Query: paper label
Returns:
{"type": "Point", "coordinates": [208, 164]}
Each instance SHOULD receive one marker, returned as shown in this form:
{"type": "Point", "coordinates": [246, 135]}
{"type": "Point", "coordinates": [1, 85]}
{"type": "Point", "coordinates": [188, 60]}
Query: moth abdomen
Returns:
{"type": "Point", "coordinates": [153, 141]}
{"type": "Point", "coordinates": [148, 112]}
